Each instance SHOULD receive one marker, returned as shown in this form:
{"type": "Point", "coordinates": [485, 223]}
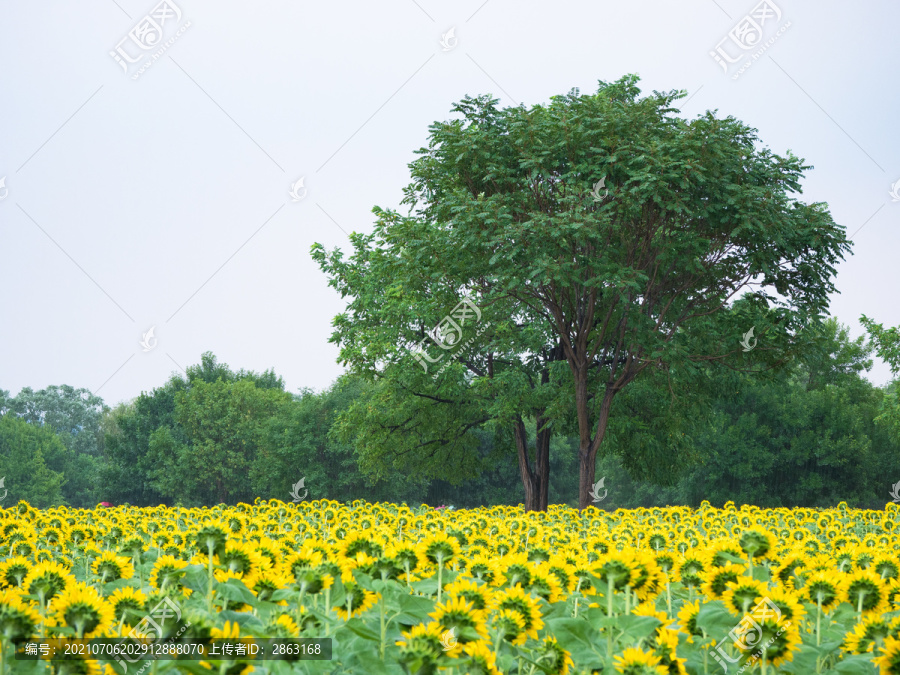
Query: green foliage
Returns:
{"type": "Point", "coordinates": [886, 342]}
{"type": "Point", "coordinates": [609, 287]}
{"type": "Point", "coordinates": [190, 440]}
{"type": "Point", "coordinates": [23, 449]}
{"type": "Point", "coordinates": [75, 415]}
{"type": "Point", "coordinates": [126, 474]}
{"type": "Point", "coordinates": [224, 425]}
{"type": "Point", "coordinates": [298, 445]}
{"type": "Point", "coordinates": [805, 435]}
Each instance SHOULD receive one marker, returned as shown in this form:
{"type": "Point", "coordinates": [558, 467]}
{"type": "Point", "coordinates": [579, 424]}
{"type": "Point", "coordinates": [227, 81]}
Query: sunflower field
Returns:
{"type": "Point", "coordinates": [492, 590]}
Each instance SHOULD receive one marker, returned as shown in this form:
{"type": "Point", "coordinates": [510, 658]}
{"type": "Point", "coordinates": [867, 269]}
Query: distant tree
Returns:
{"type": "Point", "coordinates": [886, 342]}
{"type": "Point", "coordinates": [149, 442]}
{"type": "Point", "coordinates": [802, 435]}
{"type": "Point", "coordinates": [74, 414]}
{"type": "Point", "coordinates": [25, 474]}
{"type": "Point", "coordinates": [223, 423]}
{"type": "Point", "coordinates": [299, 444]}
{"type": "Point", "coordinates": [125, 476]}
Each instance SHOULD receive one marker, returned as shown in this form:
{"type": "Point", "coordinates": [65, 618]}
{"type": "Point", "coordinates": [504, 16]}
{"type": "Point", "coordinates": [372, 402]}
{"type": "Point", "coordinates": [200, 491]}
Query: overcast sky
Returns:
{"type": "Point", "coordinates": [161, 197]}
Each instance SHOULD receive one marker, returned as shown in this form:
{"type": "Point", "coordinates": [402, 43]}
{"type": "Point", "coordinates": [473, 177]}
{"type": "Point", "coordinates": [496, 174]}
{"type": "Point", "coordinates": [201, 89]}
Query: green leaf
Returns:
{"type": "Point", "coordinates": [364, 629]}
{"type": "Point", "coordinates": [580, 639]}
{"type": "Point", "coordinates": [234, 590]}
{"type": "Point", "coordinates": [715, 619]}
{"type": "Point", "coordinates": [805, 661]}
{"type": "Point", "coordinates": [855, 664]}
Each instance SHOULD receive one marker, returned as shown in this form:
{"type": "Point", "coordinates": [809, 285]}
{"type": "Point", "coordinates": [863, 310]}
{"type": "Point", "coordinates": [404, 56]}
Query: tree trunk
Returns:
{"type": "Point", "coordinates": [529, 477]}
{"type": "Point", "coordinates": [587, 449]}
{"type": "Point", "coordinates": [542, 465]}
{"type": "Point", "coordinates": [537, 481]}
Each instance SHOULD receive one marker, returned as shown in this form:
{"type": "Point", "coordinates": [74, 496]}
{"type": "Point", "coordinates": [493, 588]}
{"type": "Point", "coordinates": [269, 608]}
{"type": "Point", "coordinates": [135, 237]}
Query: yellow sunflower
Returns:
{"type": "Point", "coordinates": [740, 595]}
{"type": "Point", "coordinates": [82, 608]}
{"type": "Point", "coordinates": [889, 661]}
{"type": "Point", "coordinates": [13, 571]}
{"type": "Point", "coordinates": [243, 559]}
{"type": "Point", "coordinates": [421, 647]}
{"type": "Point", "coordinates": [111, 567]}
{"type": "Point", "coordinates": [518, 600]}
{"type": "Point", "coordinates": [635, 661]}
{"type": "Point", "coordinates": [666, 643]}
{"type": "Point", "coordinates": [716, 578]}
{"type": "Point", "coordinates": [479, 594]}
{"type": "Point", "coordinates": [460, 614]}
{"type": "Point", "coordinates": [481, 660]}
{"type": "Point", "coordinates": [865, 591]}
{"type": "Point", "coordinates": [128, 604]}
{"type": "Point", "coordinates": [18, 621]}
{"type": "Point", "coordinates": [866, 634]}
{"type": "Point", "coordinates": [46, 579]}
{"type": "Point", "coordinates": [824, 588]}
{"type": "Point", "coordinates": [509, 625]}
{"type": "Point", "coordinates": [167, 572]}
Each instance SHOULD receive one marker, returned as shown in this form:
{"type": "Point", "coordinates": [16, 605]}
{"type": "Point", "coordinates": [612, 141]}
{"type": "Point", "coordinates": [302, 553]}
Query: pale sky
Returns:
{"type": "Point", "coordinates": [164, 200]}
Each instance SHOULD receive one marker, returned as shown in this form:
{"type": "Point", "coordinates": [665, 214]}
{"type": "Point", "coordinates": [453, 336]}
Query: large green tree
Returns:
{"type": "Point", "coordinates": [602, 233]}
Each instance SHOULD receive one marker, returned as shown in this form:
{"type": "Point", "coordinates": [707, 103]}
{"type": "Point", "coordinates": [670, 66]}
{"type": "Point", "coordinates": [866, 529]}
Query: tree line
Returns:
{"type": "Point", "coordinates": [813, 433]}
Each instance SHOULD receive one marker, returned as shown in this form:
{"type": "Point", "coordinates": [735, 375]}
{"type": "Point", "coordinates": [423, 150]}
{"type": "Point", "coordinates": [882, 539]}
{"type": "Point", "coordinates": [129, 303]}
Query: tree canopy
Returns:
{"type": "Point", "coordinates": [604, 238]}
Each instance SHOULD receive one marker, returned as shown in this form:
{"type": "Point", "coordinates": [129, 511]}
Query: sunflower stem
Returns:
{"type": "Point", "coordinates": [609, 595]}
{"type": "Point", "coordinates": [209, 587]}
{"type": "Point", "coordinates": [328, 609]}
{"type": "Point", "coordinates": [383, 627]}
{"type": "Point", "coordinates": [818, 619]}
{"type": "Point", "coordinates": [609, 613]}
{"type": "Point", "coordinates": [440, 559]}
